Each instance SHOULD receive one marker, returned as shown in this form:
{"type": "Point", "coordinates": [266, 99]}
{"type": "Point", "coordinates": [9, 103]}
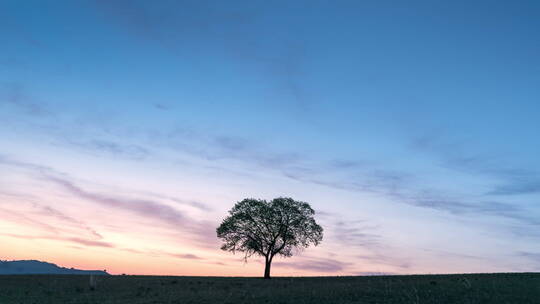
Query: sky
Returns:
{"type": "Point", "coordinates": [130, 128]}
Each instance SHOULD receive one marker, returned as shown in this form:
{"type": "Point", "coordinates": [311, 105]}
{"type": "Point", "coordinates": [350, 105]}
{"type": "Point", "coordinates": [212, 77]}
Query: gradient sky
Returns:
{"type": "Point", "coordinates": [130, 128]}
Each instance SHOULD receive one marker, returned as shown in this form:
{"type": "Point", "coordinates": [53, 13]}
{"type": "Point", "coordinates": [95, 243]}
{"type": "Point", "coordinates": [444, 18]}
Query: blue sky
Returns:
{"type": "Point", "coordinates": [411, 127]}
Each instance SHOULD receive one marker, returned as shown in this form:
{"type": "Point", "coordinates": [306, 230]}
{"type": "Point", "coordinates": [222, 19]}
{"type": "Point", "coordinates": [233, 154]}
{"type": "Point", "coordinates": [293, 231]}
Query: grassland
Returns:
{"type": "Point", "coordinates": [520, 288]}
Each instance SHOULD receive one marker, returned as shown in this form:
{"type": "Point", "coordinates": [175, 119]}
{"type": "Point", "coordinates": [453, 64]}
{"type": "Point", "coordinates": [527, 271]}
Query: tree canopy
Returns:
{"type": "Point", "coordinates": [269, 228]}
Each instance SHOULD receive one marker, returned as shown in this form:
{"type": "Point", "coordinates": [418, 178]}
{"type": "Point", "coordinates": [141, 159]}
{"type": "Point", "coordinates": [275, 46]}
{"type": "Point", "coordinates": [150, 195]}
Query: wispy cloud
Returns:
{"type": "Point", "coordinates": [15, 94]}
{"type": "Point", "coordinates": [90, 242]}
{"type": "Point", "coordinates": [21, 209]}
{"type": "Point", "coordinates": [315, 265]}
{"type": "Point", "coordinates": [161, 253]}
{"type": "Point", "coordinates": [162, 107]}
{"type": "Point", "coordinates": [363, 236]}
{"type": "Point", "coordinates": [350, 234]}
{"type": "Point", "coordinates": [185, 202]}
{"type": "Point", "coordinates": [516, 187]}
{"type": "Point", "coordinates": [187, 256]}
{"type": "Point", "coordinates": [80, 241]}
{"type": "Point", "coordinates": [47, 210]}
{"type": "Point", "coordinates": [381, 259]}
{"type": "Point", "coordinates": [535, 256]}
{"type": "Point", "coordinates": [453, 255]}
{"type": "Point", "coordinates": [533, 260]}
{"type": "Point", "coordinates": [144, 208]}
{"type": "Point", "coordinates": [366, 179]}
{"type": "Point", "coordinates": [512, 179]}
{"type": "Point", "coordinates": [19, 217]}
{"type": "Point", "coordinates": [201, 232]}
{"type": "Point", "coordinates": [110, 148]}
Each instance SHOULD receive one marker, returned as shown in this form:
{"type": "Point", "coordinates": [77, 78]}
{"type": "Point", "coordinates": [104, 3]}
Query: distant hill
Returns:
{"type": "Point", "coordinates": [38, 267]}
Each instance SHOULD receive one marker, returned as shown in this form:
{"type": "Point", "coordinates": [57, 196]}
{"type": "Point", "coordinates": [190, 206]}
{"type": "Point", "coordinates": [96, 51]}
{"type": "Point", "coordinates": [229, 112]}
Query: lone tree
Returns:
{"type": "Point", "coordinates": [258, 227]}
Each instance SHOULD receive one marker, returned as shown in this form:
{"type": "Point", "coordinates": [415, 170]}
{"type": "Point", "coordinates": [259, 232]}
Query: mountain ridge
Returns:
{"type": "Point", "coordinates": [40, 267]}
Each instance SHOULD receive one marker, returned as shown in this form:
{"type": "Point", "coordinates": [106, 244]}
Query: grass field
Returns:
{"type": "Point", "coordinates": [463, 289]}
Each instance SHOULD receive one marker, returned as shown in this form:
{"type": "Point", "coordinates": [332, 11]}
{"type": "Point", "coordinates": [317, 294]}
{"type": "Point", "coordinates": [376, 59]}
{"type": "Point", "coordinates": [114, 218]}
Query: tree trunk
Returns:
{"type": "Point", "coordinates": [267, 264]}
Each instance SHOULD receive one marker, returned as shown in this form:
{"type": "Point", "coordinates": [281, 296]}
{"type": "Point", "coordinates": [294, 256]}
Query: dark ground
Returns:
{"type": "Point", "coordinates": [462, 289]}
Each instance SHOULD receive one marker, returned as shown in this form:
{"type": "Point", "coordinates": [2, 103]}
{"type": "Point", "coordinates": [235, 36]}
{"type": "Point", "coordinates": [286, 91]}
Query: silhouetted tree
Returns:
{"type": "Point", "coordinates": [258, 227]}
